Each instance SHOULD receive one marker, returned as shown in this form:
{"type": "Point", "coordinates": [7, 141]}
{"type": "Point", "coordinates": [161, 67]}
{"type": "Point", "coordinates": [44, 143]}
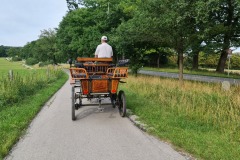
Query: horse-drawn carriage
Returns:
{"type": "Point", "coordinates": [97, 78]}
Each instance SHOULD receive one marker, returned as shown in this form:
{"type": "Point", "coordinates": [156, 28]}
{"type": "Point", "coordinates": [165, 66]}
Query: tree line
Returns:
{"type": "Point", "coordinates": [139, 30]}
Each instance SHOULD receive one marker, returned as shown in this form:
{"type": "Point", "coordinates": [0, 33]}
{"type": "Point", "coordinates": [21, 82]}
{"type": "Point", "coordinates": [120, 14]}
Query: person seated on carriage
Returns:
{"type": "Point", "coordinates": [104, 50]}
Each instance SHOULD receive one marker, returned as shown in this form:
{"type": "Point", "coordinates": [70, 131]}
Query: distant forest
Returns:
{"type": "Point", "coordinates": [3, 51]}
{"type": "Point", "coordinates": [9, 51]}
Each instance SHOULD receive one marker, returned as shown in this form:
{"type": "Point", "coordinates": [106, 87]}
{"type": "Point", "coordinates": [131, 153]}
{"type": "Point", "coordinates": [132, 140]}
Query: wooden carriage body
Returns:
{"type": "Point", "coordinates": [97, 76]}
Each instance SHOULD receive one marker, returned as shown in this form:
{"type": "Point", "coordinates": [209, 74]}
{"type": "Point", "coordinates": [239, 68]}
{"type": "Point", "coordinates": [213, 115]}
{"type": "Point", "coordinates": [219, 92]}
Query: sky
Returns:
{"type": "Point", "coordinates": [21, 21]}
{"type": "Point", "coordinates": [236, 50]}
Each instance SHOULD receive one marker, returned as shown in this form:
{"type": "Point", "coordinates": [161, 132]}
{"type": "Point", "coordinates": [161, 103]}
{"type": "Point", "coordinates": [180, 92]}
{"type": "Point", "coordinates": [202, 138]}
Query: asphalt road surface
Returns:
{"type": "Point", "coordinates": [94, 135]}
{"type": "Point", "coordinates": [192, 77]}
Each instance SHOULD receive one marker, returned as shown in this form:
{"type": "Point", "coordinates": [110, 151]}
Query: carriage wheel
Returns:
{"type": "Point", "coordinates": [113, 100]}
{"type": "Point", "coordinates": [78, 105]}
{"type": "Point", "coordinates": [73, 104]}
{"type": "Point", "coordinates": [122, 103]}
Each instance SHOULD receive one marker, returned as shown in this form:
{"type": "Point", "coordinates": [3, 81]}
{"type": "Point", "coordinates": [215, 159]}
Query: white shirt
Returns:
{"type": "Point", "coordinates": [104, 50]}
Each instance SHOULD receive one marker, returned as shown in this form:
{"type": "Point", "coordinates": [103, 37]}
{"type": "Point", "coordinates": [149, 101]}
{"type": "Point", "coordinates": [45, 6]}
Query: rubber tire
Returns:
{"type": "Point", "coordinates": [73, 104]}
{"type": "Point", "coordinates": [122, 103]}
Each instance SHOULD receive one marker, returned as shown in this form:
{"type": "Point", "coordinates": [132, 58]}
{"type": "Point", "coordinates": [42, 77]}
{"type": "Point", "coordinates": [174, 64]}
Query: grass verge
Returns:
{"type": "Point", "coordinates": [15, 119]}
{"type": "Point", "coordinates": [198, 118]}
{"type": "Point", "coordinates": [202, 72]}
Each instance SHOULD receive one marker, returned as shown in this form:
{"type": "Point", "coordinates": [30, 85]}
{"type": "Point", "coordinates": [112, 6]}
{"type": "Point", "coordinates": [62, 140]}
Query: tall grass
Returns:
{"type": "Point", "coordinates": [199, 117]}
{"type": "Point", "coordinates": [22, 98]}
{"type": "Point", "coordinates": [24, 83]}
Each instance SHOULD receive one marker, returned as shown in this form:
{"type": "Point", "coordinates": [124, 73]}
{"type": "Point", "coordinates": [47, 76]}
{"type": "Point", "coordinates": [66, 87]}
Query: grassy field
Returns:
{"type": "Point", "coordinates": [203, 72]}
{"type": "Point", "coordinates": [7, 65]}
{"type": "Point", "coordinates": [22, 98]}
{"type": "Point", "coordinates": [198, 118]}
{"type": "Point", "coordinates": [16, 67]}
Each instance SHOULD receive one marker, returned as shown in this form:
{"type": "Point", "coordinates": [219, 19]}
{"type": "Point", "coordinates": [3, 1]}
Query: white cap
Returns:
{"type": "Point", "coordinates": [104, 38]}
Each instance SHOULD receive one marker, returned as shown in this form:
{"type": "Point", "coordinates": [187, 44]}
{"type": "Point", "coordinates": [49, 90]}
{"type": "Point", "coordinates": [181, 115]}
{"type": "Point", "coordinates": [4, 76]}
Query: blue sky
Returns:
{"type": "Point", "coordinates": [21, 21]}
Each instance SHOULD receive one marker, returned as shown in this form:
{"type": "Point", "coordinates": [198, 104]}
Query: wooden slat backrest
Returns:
{"type": "Point", "coordinates": [80, 59]}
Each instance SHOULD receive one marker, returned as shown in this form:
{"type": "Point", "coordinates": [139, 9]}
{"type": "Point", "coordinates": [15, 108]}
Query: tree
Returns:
{"type": "Point", "coordinates": [46, 46]}
{"type": "Point", "coordinates": [70, 33]}
{"type": "Point", "coordinates": [223, 27]}
{"type": "Point", "coordinates": [73, 4]}
{"type": "Point", "coordinates": [28, 50]}
{"type": "Point", "coordinates": [133, 38]}
{"type": "Point", "coordinates": [135, 27]}
{"type": "Point", "coordinates": [3, 51]}
{"type": "Point", "coordinates": [43, 49]}
{"type": "Point", "coordinates": [81, 29]}
{"type": "Point", "coordinates": [13, 52]}
{"type": "Point", "coordinates": [172, 25]}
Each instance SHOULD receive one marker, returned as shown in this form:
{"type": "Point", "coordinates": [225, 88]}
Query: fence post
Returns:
{"type": "Point", "coordinates": [10, 74]}
{"type": "Point", "coordinates": [48, 74]}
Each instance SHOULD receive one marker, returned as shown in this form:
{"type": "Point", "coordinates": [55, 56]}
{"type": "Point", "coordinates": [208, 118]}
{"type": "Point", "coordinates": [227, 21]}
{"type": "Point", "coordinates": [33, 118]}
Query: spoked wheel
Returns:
{"type": "Point", "coordinates": [113, 100]}
{"type": "Point", "coordinates": [78, 105]}
{"type": "Point", "coordinates": [73, 104]}
{"type": "Point", "coordinates": [122, 103]}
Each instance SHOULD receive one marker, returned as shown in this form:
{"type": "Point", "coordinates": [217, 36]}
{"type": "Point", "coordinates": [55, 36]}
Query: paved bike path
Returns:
{"type": "Point", "coordinates": [191, 77]}
{"type": "Point", "coordinates": [94, 135]}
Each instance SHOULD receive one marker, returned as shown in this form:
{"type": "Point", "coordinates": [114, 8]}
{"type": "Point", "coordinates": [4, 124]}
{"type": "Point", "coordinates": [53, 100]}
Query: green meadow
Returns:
{"type": "Point", "coordinates": [5, 66]}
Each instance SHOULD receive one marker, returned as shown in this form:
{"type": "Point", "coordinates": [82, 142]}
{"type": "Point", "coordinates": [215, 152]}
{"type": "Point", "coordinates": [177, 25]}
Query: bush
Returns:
{"type": "Point", "coordinates": [42, 64]}
{"type": "Point", "coordinates": [16, 59]}
{"type": "Point", "coordinates": [31, 61]}
{"type": "Point", "coordinates": [234, 64]}
{"type": "Point", "coordinates": [211, 61]}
